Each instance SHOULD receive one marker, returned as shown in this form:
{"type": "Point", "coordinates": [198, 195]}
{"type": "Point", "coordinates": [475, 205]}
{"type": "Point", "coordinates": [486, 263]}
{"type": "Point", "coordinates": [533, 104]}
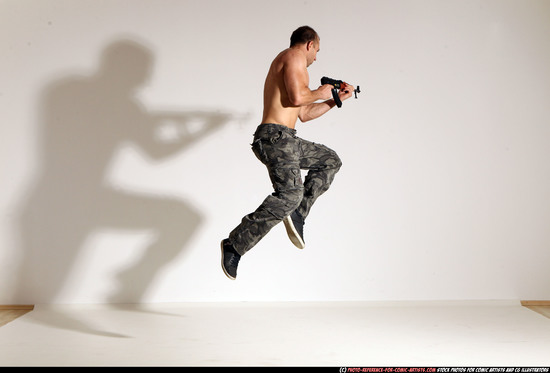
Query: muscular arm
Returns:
{"type": "Point", "coordinates": [296, 81]}
{"type": "Point", "coordinates": [287, 96]}
{"type": "Point", "coordinates": [315, 110]}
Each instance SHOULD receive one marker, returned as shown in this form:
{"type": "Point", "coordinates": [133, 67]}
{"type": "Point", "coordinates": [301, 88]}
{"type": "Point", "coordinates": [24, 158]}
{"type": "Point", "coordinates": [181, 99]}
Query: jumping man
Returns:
{"type": "Point", "coordinates": [287, 97]}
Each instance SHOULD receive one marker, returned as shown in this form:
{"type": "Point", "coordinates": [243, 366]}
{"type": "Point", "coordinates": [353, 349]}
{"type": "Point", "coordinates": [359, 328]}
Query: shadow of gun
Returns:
{"type": "Point", "coordinates": [172, 126]}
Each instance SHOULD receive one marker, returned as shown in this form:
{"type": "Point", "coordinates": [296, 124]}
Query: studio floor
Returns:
{"type": "Point", "coordinates": [279, 334]}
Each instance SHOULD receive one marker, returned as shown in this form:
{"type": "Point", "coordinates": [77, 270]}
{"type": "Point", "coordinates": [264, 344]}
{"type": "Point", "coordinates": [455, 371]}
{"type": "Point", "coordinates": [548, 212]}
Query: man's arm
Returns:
{"type": "Point", "coordinates": [150, 138]}
{"type": "Point", "coordinates": [296, 81]}
{"type": "Point", "coordinates": [315, 110]}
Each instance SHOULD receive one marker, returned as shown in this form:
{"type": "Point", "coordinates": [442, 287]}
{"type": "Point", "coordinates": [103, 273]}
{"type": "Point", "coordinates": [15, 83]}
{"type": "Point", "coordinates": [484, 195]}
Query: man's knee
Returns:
{"type": "Point", "coordinates": [335, 162]}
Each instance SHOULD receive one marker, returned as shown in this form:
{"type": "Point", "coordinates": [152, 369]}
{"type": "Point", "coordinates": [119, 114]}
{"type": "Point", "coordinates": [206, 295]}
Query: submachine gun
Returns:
{"type": "Point", "coordinates": [337, 85]}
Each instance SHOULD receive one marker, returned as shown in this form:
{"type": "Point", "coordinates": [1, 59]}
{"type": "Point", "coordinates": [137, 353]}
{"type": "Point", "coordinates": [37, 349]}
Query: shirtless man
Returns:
{"type": "Point", "coordinates": [286, 99]}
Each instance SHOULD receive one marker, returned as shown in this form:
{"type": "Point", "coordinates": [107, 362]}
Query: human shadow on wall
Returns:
{"type": "Point", "coordinates": [84, 121]}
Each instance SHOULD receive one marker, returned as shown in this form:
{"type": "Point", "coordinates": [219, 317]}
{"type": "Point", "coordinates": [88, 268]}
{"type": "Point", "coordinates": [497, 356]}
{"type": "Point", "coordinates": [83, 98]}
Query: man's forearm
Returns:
{"type": "Point", "coordinates": [305, 96]}
{"type": "Point", "coordinates": [315, 110]}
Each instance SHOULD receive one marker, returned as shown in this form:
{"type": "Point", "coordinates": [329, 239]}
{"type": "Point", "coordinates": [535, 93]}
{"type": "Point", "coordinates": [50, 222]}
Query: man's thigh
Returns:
{"type": "Point", "coordinates": [314, 156]}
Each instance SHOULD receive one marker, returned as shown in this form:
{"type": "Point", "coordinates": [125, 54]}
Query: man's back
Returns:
{"type": "Point", "coordinates": [277, 105]}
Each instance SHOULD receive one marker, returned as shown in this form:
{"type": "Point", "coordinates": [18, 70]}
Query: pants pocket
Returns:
{"type": "Point", "coordinates": [275, 137]}
{"type": "Point", "coordinates": [286, 179]}
{"type": "Point", "coordinates": [263, 145]}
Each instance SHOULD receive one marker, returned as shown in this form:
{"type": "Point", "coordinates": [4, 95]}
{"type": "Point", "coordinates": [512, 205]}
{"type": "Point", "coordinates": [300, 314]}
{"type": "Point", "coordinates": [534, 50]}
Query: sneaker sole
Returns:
{"type": "Point", "coordinates": [293, 234]}
{"type": "Point", "coordinates": [223, 267]}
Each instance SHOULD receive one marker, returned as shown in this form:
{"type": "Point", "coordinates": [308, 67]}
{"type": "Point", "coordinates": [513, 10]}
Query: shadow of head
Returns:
{"type": "Point", "coordinates": [127, 63]}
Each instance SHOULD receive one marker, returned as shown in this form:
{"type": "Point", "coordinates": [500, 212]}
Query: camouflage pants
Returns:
{"type": "Point", "coordinates": [284, 155]}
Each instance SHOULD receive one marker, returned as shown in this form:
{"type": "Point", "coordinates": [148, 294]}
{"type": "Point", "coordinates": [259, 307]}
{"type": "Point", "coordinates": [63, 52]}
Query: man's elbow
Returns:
{"type": "Point", "coordinates": [304, 117]}
{"type": "Point", "coordinates": [296, 101]}
{"type": "Point", "coordinates": [299, 98]}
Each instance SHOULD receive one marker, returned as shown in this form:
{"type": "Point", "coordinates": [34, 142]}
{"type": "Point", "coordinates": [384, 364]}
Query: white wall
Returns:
{"type": "Point", "coordinates": [444, 192]}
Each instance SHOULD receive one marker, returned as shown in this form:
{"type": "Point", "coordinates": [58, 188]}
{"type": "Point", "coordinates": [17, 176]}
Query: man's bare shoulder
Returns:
{"type": "Point", "coordinates": [291, 56]}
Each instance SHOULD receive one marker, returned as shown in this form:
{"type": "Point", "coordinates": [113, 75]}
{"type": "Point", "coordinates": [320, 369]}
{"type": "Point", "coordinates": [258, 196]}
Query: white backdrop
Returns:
{"type": "Point", "coordinates": [444, 192]}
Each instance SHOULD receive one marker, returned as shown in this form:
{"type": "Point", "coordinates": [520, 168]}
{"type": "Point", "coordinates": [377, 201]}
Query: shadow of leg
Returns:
{"type": "Point", "coordinates": [174, 222]}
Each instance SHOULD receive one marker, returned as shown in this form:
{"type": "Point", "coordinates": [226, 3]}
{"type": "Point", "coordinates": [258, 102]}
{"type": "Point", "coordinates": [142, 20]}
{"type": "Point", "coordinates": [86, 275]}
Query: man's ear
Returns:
{"type": "Point", "coordinates": [309, 45]}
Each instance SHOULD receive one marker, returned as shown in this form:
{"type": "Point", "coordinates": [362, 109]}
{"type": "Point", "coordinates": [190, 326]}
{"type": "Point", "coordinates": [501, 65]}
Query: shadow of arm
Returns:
{"type": "Point", "coordinates": [172, 132]}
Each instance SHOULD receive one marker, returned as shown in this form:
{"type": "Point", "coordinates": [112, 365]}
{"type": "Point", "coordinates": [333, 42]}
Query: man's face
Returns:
{"type": "Point", "coordinates": [313, 48]}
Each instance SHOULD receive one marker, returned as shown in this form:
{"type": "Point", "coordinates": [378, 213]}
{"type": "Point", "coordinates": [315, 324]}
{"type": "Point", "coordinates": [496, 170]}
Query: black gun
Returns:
{"type": "Point", "coordinates": [337, 84]}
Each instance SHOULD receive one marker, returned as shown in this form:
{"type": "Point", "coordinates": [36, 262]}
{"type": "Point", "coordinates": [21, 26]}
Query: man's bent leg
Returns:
{"type": "Point", "coordinates": [323, 163]}
{"type": "Point", "coordinates": [256, 225]}
{"type": "Point", "coordinates": [278, 148]}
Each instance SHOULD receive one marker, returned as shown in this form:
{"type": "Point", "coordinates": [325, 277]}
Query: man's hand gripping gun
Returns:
{"type": "Point", "coordinates": [338, 85]}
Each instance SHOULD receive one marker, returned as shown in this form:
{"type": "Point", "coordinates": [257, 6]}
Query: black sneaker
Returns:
{"type": "Point", "coordinates": [230, 259]}
{"type": "Point", "coordinates": [294, 224]}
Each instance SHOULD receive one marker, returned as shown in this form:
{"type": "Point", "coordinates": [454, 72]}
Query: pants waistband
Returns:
{"type": "Point", "coordinates": [267, 127]}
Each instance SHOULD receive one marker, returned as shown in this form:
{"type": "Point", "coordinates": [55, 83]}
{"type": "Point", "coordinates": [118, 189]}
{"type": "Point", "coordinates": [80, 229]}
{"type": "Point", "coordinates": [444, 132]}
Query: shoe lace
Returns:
{"type": "Point", "coordinates": [234, 260]}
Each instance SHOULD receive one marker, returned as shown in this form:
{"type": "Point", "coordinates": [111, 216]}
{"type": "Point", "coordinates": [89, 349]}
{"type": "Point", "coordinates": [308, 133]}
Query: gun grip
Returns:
{"type": "Point", "coordinates": [336, 97]}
